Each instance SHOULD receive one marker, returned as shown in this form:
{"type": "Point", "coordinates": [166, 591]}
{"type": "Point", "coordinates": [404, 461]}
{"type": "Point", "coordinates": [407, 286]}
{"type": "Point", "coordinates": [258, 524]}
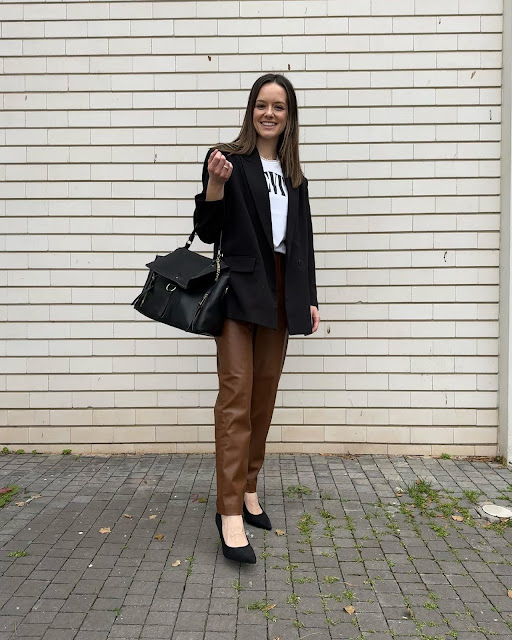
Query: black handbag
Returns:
{"type": "Point", "coordinates": [186, 290]}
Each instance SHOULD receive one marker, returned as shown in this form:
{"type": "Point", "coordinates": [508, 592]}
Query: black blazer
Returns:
{"type": "Point", "coordinates": [244, 217]}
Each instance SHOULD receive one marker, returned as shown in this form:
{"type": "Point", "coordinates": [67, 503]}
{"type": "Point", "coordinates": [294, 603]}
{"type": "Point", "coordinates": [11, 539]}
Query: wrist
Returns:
{"type": "Point", "coordinates": [214, 191]}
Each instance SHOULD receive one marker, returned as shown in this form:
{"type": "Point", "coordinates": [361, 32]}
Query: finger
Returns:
{"type": "Point", "coordinates": [220, 159]}
{"type": "Point", "coordinates": [315, 319]}
{"type": "Point", "coordinates": [225, 169]}
{"type": "Point", "coordinates": [220, 170]}
{"type": "Point", "coordinates": [215, 160]}
{"type": "Point", "coordinates": [212, 156]}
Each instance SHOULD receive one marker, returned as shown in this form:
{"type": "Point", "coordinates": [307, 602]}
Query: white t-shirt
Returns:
{"type": "Point", "coordinates": [278, 195]}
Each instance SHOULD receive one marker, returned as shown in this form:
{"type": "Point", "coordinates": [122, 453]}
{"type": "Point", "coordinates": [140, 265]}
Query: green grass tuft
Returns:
{"type": "Point", "coordinates": [5, 498]}
{"type": "Point", "coordinates": [297, 491]}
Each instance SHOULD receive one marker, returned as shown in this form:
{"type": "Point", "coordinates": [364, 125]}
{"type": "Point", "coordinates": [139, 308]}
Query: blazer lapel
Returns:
{"type": "Point", "coordinates": [259, 190]}
{"type": "Point", "coordinates": [293, 207]}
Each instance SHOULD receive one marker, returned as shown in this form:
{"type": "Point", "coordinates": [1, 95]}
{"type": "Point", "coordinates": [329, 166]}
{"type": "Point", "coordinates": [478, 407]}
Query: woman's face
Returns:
{"type": "Point", "coordinates": [270, 111]}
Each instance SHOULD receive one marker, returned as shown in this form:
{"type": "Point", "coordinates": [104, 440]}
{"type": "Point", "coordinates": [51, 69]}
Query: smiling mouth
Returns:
{"type": "Point", "coordinates": [268, 125]}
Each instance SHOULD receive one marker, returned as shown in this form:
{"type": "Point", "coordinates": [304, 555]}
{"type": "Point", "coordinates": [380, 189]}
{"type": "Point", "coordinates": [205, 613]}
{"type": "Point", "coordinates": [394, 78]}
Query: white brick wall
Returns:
{"type": "Point", "coordinates": [108, 109]}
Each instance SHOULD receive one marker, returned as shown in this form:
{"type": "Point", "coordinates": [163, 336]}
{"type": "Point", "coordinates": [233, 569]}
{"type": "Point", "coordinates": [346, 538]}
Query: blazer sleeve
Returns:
{"type": "Point", "coordinates": [209, 216]}
{"type": "Point", "coordinates": [313, 297]}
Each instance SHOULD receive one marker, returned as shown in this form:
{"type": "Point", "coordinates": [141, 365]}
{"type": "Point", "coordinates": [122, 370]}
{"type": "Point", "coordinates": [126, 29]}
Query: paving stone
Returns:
{"type": "Point", "coordinates": [49, 604]}
{"type": "Point", "coordinates": [60, 634]}
{"type": "Point", "coordinates": [190, 621]}
{"type": "Point", "coordinates": [159, 631]}
{"type": "Point", "coordinates": [36, 630]}
{"type": "Point", "coordinates": [219, 635]}
{"type": "Point", "coordinates": [250, 632]}
{"type": "Point", "coordinates": [192, 604]}
{"type": "Point", "coordinates": [165, 605]}
{"type": "Point", "coordinates": [222, 606]}
{"type": "Point", "coordinates": [18, 606]}
{"type": "Point", "coordinates": [74, 603]}
{"type": "Point", "coordinates": [45, 617]}
{"type": "Point", "coordinates": [91, 635]}
{"type": "Point", "coordinates": [125, 631]}
{"type": "Point", "coordinates": [107, 604]}
{"type": "Point", "coordinates": [188, 635]}
{"type": "Point", "coordinates": [57, 591]}
{"type": "Point", "coordinates": [99, 620]}
{"type": "Point", "coordinates": [68, 620]}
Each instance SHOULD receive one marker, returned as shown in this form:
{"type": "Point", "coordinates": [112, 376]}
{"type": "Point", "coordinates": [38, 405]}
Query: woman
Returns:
{"type": "Point", "coordinates": [255, 203]}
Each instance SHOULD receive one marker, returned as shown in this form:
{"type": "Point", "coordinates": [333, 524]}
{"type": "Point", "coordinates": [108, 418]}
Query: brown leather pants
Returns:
{"type": "Point", "coordinates": [250, 359]}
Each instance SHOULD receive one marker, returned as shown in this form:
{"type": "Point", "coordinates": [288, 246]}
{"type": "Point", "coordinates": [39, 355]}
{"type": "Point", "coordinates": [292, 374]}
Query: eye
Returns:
{"type": "Point", "coordinates": [259, 105]}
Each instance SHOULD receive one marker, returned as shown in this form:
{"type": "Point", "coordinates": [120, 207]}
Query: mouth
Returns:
{"type": "Point", "coordinates": [268, 125]}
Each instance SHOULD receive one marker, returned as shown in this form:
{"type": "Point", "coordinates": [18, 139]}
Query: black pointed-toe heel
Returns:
{"type": "Point", "coordinates": [238, 554]}
{"type": "Point", "coordinates": [260, 520]}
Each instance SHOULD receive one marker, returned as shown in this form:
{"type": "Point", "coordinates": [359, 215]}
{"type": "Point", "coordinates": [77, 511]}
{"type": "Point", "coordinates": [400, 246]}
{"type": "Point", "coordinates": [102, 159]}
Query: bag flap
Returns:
{"type": "Point", "coordinates": [184, 267]}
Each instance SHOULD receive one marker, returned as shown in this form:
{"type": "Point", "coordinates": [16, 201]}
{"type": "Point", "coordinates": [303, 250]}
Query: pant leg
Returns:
{"type": "Point", "coordinates": [268, 360]}
{"type": "Point", "coordinates": [232, 413]}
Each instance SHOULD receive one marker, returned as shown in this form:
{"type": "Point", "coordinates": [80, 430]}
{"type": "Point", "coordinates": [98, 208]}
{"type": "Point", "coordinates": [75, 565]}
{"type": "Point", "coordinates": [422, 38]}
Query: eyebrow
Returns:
{"type": "Point", "coordinates": [276, 102]}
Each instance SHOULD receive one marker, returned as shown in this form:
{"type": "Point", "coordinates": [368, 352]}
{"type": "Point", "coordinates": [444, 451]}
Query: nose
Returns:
{"type": "Point", "coordinates": [269, 111]}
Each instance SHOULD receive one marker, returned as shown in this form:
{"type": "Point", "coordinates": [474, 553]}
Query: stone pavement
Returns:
{"type": "Point", "coordinates": [354, 558]}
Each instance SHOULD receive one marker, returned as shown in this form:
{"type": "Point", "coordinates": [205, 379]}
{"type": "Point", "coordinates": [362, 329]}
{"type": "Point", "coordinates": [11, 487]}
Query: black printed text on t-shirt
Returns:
{"type": "Point", "coordinates": [274, 180]}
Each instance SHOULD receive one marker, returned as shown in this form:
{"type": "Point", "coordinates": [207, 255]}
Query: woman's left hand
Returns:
{"type": "Point", "coordinates": [315, 318]}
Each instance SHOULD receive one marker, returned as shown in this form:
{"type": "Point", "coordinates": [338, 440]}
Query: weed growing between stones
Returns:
{"type": "Point", "coordinates": [297, 491]}
{"type": "Point", "coordinates": [265, 607]}
{"type": "Point", "coordinates": [499, 527]}
{"type": "Point", "coordinates": [350, 524]}
{"type": "Point", "coordinates": [303, 579]}
{"type": "Point", "coordinates": [7, 493]}
{"type": "Point", "coordinates": [17, 554]}
{"type": "Point", "coordinates": [329, 529]}
{"type": "Point", "coordinates": [293, 599]}
{"type": "Point", "coordinates": [439, 530]}
{"type": "Point", "coordinates": [5, 451]}
{"type": "Point", "coordinates": [472, 496]}
{"type": "Point", "coordinates": [422, 494]}
{"type": "Point", "coordinates": [190, 560]}
{"type": "Point", "coordinates": [305, 526]}
{"type": "Point", "coordinates": [432, 602]}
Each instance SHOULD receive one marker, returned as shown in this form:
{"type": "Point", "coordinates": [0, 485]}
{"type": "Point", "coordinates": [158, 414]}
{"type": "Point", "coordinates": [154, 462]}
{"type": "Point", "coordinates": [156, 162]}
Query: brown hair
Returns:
{"type": "Point", "coordinates": [288, 142]}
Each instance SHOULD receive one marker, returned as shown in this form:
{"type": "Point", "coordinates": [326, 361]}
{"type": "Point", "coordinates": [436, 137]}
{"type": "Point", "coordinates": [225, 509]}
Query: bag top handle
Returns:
{"type": "Point", "coordinates": [191, 240]}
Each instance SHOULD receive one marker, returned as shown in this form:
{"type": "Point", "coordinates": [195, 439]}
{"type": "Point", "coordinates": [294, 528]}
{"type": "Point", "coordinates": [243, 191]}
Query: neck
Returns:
{"type": "Point", "coordinates": [267, 148]}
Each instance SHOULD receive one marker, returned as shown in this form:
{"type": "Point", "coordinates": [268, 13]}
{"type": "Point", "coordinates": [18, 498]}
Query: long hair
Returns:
{"type": "Point", "coordinates": [288, 141]}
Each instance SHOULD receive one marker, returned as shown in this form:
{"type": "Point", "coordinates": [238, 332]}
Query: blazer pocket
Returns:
{"type": "Point", "coordinates": [240, 263]}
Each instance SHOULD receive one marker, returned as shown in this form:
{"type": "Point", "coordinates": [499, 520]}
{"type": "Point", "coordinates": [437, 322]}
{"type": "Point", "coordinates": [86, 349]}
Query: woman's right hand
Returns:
{"type": "Point", "coordinates": [219, 169]}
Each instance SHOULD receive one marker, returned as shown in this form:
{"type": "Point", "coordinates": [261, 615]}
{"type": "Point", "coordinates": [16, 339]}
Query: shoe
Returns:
{"type": "Point", "coordinates": [238, 554]}
{"type": "Point", "coordinates": [260, 520]}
